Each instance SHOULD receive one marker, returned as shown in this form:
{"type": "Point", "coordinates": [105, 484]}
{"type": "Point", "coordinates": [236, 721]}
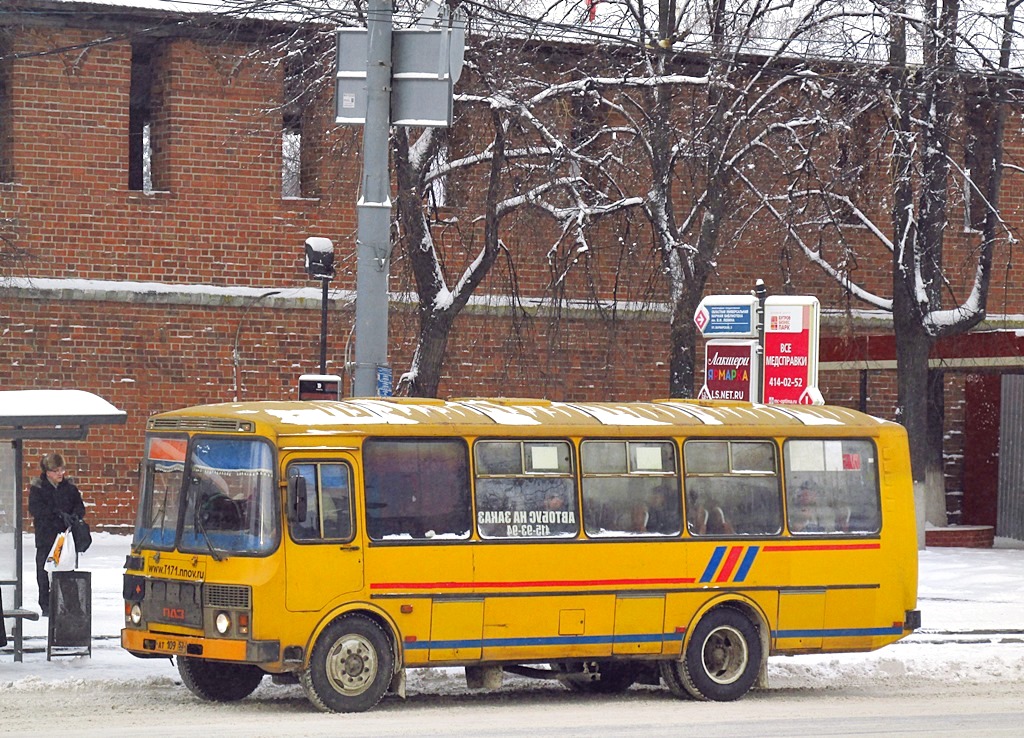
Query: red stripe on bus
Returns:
{"type": "Point", "coordinates": [523, 585]}
{"type": "Point", "coordinates": [825, 547]}
{"type": "Point", "coordinates": [730, 564]}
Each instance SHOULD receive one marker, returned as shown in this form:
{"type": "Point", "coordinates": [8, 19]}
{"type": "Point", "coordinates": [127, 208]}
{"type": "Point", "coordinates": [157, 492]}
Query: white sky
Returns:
{"type": "Point", "coordinates": [961, 590]}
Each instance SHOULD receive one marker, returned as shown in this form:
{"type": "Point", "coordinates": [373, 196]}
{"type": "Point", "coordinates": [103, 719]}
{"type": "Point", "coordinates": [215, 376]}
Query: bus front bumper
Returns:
{"type": "Point", "coordinates": [145, 643]}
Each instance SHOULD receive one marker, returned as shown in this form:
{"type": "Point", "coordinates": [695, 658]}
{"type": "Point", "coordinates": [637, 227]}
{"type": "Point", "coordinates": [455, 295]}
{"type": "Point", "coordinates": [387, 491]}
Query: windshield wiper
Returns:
{"type": "Point", "coordinates": [197, 523]}
{"type": "Point", "coordinates": [206, 538]}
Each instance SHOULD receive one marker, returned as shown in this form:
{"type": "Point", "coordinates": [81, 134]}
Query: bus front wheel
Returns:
{"type": "Point", "coordinates": [216, 681]}
{"type": "Point", "coordinates": [350, 667]}
{"type": "Point", "coordinates": [722, 658]}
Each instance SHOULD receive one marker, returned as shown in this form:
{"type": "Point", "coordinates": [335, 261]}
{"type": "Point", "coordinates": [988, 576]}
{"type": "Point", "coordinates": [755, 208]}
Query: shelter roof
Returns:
{"type": "Point", "coordinates": [54, 413]}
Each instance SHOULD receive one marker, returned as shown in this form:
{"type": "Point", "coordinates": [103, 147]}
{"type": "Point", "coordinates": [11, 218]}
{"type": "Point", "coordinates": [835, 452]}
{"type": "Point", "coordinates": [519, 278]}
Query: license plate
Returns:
{"type": "Point", "coordinates": [170, 644]}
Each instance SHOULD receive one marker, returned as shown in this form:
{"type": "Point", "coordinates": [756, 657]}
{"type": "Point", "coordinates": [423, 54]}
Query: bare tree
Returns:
{"type": "Point", "coordinates": [687, 113]}
{"type": "Point", "coordinates": [715, 101]}
{"type": "Point", "coordinates": [533, 160]}
{"type": "Point", "coordinates": [511, 135]}
{"type": "Point", "coordinates": [946, 77]}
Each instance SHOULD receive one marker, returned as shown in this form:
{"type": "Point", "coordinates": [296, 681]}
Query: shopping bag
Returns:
{"type": "Point", "coordinates": [63, 556]}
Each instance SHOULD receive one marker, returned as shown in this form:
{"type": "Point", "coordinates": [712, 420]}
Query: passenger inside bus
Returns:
{"type": "Point", "coordinates": [663, 508]}
{"type": "Point", "coordinates": [803, 515]}
{"type": "Point", "coordinates": [706, 517]}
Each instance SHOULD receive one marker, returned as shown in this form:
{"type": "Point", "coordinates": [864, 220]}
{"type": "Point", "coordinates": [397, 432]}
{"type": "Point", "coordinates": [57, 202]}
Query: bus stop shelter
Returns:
{"type": "Point", "coordinates": [34, 415]}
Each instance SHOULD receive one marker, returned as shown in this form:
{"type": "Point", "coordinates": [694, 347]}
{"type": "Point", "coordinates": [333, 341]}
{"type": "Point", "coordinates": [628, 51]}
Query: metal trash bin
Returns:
{"type": "Point", "coordinates": [70, 628]}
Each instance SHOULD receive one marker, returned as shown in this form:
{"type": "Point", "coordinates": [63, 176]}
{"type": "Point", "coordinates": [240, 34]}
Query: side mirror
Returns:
{"type": "Point", "coordinates": [297, 499]}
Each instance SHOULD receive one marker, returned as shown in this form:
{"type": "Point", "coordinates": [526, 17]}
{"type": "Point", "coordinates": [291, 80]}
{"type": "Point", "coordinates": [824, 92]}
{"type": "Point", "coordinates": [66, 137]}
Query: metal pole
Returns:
{"type": "Point", "coordinates": [373, 246]}
{"type": "Point", "coordinates": [761, 293]}
{"type": "Point", "coordinates": [323, 328]}
{"type": "Point", "coordinates": [19, 552]}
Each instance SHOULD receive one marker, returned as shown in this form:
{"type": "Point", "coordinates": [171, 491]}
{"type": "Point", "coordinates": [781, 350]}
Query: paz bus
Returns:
{"type": "Point", "coordinates": [675, 542]}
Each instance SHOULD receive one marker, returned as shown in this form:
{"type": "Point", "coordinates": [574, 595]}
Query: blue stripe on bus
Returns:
{"type": "Point", "coordinates": [748, 561]}
{"type": "Point", "coordinates": [837, 632]}
{"type": "Point", "coordinates": [716, 559]}
{"type": "Point", "coordinates": [581, 640]}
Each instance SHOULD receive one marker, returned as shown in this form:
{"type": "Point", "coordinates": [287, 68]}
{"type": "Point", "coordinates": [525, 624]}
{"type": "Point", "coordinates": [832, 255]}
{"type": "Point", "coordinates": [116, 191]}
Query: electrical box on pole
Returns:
{"type": "Point", "coordinates": [386, 77]}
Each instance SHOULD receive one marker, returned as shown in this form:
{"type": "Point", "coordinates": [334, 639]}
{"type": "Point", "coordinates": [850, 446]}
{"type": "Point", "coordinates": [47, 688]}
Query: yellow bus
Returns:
{"type": "Point", "coordinates": [340, 543]}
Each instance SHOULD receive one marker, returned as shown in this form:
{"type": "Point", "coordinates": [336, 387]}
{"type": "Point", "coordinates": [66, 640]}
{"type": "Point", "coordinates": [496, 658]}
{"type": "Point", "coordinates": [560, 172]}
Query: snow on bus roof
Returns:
{"type": "Point", "coordinates": [322, 416]}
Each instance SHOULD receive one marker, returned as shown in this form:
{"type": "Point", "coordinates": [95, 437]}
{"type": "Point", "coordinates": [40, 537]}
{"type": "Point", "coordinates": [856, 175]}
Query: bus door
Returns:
{"type": "Point", "coordinates": [324, 558]}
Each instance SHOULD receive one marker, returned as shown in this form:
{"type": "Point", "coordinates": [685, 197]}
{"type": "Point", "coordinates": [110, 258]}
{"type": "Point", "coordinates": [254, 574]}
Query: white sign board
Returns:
{"type": "Point", "coordinates": [727, 316]}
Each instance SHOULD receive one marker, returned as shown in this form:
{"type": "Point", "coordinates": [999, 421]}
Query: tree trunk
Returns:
{"type": "Point", "coordinates": [916, 387]}
{"type": "Point", "coordinates": [430, 355]}
{"type": "Point", "coordinates": [682, 360]}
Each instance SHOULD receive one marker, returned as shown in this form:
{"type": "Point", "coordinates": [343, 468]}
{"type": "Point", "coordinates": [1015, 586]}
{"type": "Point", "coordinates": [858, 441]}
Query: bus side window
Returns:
{"type": "Point", "coordinates": [525, 489]}
{"type": "Point", "coordinates": [630, 488]}
{"type": "Point", "coordinates": [328, 502]}
{"type": "Point", "coordinates": [732, 488]}
{"type": "Point", "coordinates": [335, 501]}
{"type": "Point", "coordinates": [416, 488]}
{"type": "Point", "coordinates": [832, 487]}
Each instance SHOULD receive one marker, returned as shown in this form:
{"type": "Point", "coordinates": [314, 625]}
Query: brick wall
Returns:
{"type": "Point", "coordinates": [148, 358]}
{"type": "Point", "coordinates": [217, 218]}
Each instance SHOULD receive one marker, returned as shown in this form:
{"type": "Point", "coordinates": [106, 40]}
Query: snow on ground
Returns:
{"type": "Point", "coordinates": [971, 600]}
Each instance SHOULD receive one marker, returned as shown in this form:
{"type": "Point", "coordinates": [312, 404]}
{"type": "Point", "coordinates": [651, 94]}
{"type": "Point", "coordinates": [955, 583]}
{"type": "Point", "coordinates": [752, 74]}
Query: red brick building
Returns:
{"type": "Point", "coordinates": [152, 254]}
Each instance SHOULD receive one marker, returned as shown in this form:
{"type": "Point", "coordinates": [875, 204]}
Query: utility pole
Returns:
{"type": "Point", "coordinates": [373, 239]}
{"type": "Point", "coordinates": [409, 84]}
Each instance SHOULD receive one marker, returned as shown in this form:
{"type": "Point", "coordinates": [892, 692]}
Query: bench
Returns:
{"type": "Point", "coordinates": [22, 614]}
{"type": "Point", "coordinates": [19, 614]}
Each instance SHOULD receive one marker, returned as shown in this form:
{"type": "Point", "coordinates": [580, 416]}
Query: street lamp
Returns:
{"type": "Point", "coordinates": [320, 265]}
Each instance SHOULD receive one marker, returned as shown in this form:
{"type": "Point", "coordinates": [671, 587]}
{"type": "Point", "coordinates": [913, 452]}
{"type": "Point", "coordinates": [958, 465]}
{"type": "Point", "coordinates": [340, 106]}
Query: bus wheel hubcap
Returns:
{"type": "Point", "coordinates": [724, 655]}
{"type": "Point", "coordinates": [351, 664]}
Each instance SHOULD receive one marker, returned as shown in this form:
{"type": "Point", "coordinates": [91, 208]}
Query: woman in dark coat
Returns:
{"type": "Point", "coordinates": [52, 500]}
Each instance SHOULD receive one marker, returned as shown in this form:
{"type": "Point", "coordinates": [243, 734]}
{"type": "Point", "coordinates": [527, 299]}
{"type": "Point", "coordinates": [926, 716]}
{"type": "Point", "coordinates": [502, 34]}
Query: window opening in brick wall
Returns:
{"type": "Point", "coordinates": [291, 156]}
{"type": "Point", "coordinates": [6, 113]}
{"type": "Point", "coordinates": [140, 117]}
{"type": "Point", "coordinates": [299, 156]}
{"type": "Point", "coordinates": [587, 123]}
{"type": "Point", "coordinates": [978, 126]}
{"type": "Point", "coordinates": [853, 170]}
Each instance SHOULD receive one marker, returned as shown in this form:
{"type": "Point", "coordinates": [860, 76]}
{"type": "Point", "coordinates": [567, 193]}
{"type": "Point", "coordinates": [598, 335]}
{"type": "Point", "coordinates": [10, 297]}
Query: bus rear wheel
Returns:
{"type": "Point", "coordinates": [722, 658]}
{"type": "Point", "coordinates": [350, 667]}
{"type": "Point", "coordinates": [216, 681]}
{"type": "Point", "coordinates": [596, 677]}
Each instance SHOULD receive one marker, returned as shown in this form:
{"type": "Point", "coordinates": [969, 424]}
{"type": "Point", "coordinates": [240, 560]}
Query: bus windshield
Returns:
{"type": "Point", "coordinates": [216, 497]}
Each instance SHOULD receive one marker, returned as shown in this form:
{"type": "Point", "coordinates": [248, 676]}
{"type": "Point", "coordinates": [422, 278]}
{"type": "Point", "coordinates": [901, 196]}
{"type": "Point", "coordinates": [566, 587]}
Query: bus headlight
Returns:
{"type": "Point", "coordinates": [136, 614]}
{"type": "Point", "coordinates": [223, 622]}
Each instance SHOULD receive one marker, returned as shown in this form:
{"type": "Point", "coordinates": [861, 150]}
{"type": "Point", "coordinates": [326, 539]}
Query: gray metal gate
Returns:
{"type": "Point", "coordinates": [1010, 506]}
